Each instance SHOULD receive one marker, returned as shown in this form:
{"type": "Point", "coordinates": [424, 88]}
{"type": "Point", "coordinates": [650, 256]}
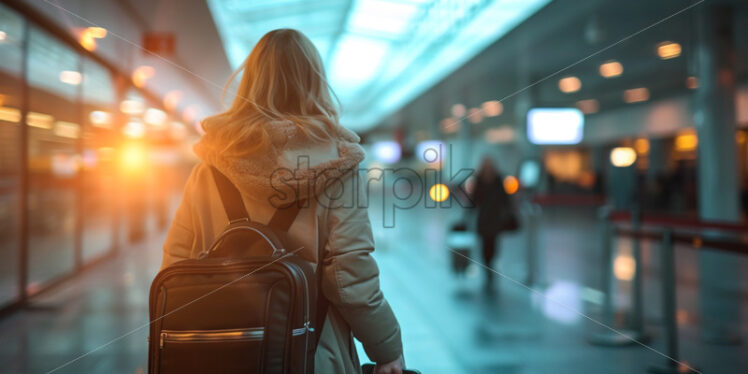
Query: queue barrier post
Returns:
{"type": "Point", "coordinates": [634, 333]}
{"type": "Point", "coordinates": [667, 259]}
{"type": "Point", "coordinates": [533, 211]}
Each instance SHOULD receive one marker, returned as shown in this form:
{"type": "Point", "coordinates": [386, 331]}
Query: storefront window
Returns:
{"type": "Point", "coordinates": [54, 130]}
{"type": "Point", "coordinates": [99, 191]}
{"type": "Point", "coordinates": [11, 60]}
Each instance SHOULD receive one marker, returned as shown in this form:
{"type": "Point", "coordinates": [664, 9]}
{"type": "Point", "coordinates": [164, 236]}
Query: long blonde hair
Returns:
{"type": "Point", "coordinates": [284, 80]}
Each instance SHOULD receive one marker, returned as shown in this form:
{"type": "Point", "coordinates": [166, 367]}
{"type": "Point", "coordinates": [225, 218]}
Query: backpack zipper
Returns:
{"type": "Point", "coordinates": [249, 334]}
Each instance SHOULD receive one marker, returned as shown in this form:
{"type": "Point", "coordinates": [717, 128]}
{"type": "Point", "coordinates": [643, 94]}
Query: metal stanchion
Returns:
{"type": "Point", "coordinates": [637, 296]}
{"type": "Point", "coordinates": [668, 310]}
{"type": "Point", "coordinates": [633, 333]}
{"type": "Point", "coordinates": [532, 211]}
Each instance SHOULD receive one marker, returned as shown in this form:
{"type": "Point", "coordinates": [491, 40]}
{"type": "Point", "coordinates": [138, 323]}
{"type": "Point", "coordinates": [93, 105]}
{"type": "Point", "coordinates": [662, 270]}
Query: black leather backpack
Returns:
{"type": "Point", "coordinates": [248, 304]}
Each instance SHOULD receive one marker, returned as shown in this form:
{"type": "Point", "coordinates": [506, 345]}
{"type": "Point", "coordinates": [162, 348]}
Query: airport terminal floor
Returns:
{"type": "Point", "coordinates": [96, 323]}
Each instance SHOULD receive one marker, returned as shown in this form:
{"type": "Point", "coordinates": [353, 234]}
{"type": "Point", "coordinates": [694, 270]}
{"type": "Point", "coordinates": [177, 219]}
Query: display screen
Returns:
{"type": "Point", "coordinates": [555, 125]}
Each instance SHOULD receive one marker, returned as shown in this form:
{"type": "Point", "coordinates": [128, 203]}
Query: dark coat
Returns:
{"type": "Point", "coordinates": [492, 205]}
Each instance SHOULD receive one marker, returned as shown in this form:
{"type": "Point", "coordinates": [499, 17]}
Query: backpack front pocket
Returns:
{"type": "Point", "coordinates": [195, 351]}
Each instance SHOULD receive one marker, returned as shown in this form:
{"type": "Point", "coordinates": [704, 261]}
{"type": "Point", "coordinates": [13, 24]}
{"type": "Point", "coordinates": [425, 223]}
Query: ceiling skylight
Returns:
{"type": "Point", "coordinates": [379, 54]}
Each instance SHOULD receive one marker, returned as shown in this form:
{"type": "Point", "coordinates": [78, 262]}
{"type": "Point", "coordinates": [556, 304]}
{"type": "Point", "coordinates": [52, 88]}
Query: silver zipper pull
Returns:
{"type": "Point", "coordinates": [308, 326]}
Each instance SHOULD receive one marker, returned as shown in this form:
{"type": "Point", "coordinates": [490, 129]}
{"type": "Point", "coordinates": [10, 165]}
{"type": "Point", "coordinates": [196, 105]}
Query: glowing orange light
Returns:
{"type": "Point", "coordinates": [622, 157]}
{"type": "Point", "coordinates": [636, 95]}
{"type": "Point", "coordinates": [9, 114]}
{"type": "Point", "coordinates": [504, 134]}
{"type": "Point", "coordinates": [611, 69]}
{"type": "Point", "coordinates": [569, 84]}
{"type": "Point", "coordinates": [439, 192]}
{"type": "Point", "coordinates": [458, 110]}
{"type": "Point", "coordinates": [492, 108]}
{"type": "Point", "coordinates": [88, 36]}
{"type": "Point", "coordinates": [511, 184]}
{"type": "Point", "coordinates": [641, 146]}
{"type": "Point", "coordinates": [141, 75]}
{"type": "Point", "coordinates": [475, 115]}
{"type": "Point", "coordinates": [692, 83]}
{"type": "Point", "coordinates": [171, 99]}
{"type": "Point", "coordinates": [624, 267]}
{"type": "Point", "coordinates": [588, 106]}
{"type": "Point", "coordinates": [133, 157]}
{"type": "Point", "coordinates": [741, 137]}
{"type": "Point", "coordinates": [686, 141]}
{"type": "Point", "coordinates": [450, 125]}
{"type": "Point", "coordinates": [667, 50]}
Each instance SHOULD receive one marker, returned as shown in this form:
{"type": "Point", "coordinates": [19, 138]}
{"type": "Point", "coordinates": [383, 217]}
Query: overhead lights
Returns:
{"type": "Point", "coordinates": [171, 99]}
{"type": "Point", "coordinates": [431, 151]}
{"type": "Point", "coordinates": [388, 151]}
{"type": "Point", "coordinates": [511, 184]}
{"type": "Point", "coordinates": [636, 95]}
{"type": "Point", "coordinates": [11, 115]}
{"type": "Point", "coordinates": [492, 108]}
{"type": "Point", "coordinates": [569, 84]}
{"type": "Point", "coordinates": [439, 192]}
{"type": "Point", "coordinates": [458, 110]}
{"type": "Point", "coordinates": [667, 50]}
{"type": "Point", "coordinates": [65, 129]}
{"type": "Point", "coordinates": [141, 75]}
{"type": "Point", "coordinates": [449, 125]}
{"type": "Point", "coordinates": [611, 69]}
{"type": "Point", "coordinates": [588, 106]}
{"type": "Point", "coordinates": [622, 157]}
{"type": "Point", "coordinates": [692, 83]}
{"type": "Point", "coordinates": [475, 115]}
{"type": "Point", "coordinates": [641, 146]}
{"type": "Point", "coordinates": [100, 118]}
{"type": "Point", "coordinates": [131, 106]}
{"type": "Point", "coordinates": [70, 77]}
{"type": "Point", "coordinates": [89, 35]}
{"type": "Point", "coordinates": [134, 129]}
{"type": "Point", "coordinates": [154, 117]}
{"type": "Point", "coordinates": [3, 35]}
{"type": "Point", "coordinates": [500, 135]}
{"type": "Point", "coordinates": [686, 141]}
{"type": "Point", "coordinates": [40, 120]}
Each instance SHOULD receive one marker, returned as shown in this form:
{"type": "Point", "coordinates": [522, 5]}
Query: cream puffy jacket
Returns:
{"type": "Point", "coordinates": [335, 218]}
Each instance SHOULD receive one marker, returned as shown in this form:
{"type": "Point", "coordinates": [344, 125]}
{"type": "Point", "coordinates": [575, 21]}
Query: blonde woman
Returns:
{"type": "Point", "coordinates": [283, 119]}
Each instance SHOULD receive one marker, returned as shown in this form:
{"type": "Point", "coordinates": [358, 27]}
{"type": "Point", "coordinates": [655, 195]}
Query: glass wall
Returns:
{"type": "Point", "coordinates": [54, 79]}
{"type": "Point", "coordinates": [98, 167]}
{"type": "Point", "coordinates": [11, 68]}
{"type": "Point", "coordinates": [86, 159]}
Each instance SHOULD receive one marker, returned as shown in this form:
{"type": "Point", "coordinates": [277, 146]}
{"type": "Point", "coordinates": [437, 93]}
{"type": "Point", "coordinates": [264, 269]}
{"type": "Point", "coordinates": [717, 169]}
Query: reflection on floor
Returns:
{"type": "Point", "coordinates": [97, 322]}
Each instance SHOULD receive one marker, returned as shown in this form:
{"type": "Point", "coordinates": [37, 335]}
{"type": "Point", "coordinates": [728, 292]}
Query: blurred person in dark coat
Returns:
{"type": "Point", "coordinates": [494, 213]}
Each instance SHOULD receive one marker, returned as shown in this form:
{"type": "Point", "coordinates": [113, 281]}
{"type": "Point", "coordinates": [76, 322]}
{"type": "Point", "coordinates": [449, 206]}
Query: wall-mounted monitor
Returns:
{"type": "Point", "coordinates": [555, 125]}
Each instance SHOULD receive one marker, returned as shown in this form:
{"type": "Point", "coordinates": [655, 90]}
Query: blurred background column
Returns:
{"type": "Point", "coordinates": [718, 185]}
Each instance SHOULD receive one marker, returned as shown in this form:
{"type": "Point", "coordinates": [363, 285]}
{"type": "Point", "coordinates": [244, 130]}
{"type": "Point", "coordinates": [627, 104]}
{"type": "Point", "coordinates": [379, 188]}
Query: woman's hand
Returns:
{"type": "Point", "coordinates": [394, 367]}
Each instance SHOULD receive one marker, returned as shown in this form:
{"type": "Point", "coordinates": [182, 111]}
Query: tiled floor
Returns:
{"type": "Point", "coordinates": [96, 323]}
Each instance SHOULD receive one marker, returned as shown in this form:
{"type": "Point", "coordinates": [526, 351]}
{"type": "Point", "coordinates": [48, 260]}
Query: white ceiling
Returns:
{"type": "Point", "coordinates": [379, 54]}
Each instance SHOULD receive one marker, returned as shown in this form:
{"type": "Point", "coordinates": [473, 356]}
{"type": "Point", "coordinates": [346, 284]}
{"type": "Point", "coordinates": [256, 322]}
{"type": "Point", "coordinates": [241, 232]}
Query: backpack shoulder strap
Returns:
{"type": "Point", "coordinates": [230, 197]}
{"type": "Point", "coordinates": [285, 215]}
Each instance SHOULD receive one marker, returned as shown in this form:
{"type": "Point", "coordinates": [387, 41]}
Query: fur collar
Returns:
{"type": "Point", "coordinates": [276, 175]}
